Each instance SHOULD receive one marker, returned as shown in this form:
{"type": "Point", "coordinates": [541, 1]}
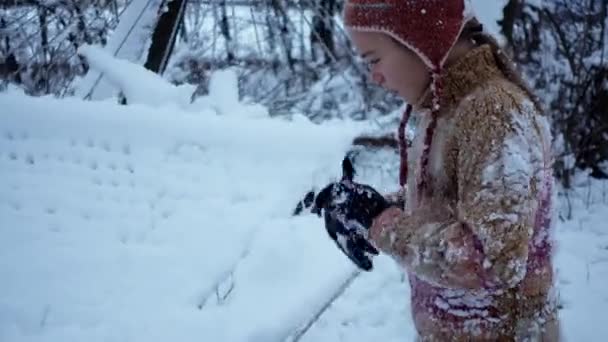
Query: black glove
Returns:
{"type": "Point", "coordinates": [349, 210]}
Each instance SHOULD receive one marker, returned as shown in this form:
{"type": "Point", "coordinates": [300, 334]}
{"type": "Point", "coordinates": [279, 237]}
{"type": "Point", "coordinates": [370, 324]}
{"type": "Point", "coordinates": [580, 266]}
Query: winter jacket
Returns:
{"type": "Point", "coordinates": [476, 241]}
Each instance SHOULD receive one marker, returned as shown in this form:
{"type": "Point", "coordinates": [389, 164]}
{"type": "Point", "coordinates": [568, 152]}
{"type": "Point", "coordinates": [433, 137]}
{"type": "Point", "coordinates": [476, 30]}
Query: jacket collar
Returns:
{"type": "Point", "coordinates": [462, 77]}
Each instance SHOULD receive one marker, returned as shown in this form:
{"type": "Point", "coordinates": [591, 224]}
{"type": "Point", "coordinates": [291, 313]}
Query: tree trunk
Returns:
{"type": "Point", "coordinates": [510, 13]}
{"type": "Point", "coordinates": [164, 36]}
{"type": "Point", "coordinates": [225, 29]}
{"type": "Point", "coordinates": [322, 34]}
{"type": "Point", "coordinates": [280, 12]}
{"type": "Point", "coordinates": [44, 45]}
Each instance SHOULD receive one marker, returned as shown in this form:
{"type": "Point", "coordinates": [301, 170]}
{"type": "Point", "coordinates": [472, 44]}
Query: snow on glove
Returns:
{"type": "Point", "coordinates": [349, 209]}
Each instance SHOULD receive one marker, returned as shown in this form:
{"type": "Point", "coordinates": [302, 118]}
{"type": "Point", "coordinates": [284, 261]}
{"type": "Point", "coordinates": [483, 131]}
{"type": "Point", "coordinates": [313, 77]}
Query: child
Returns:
{"type": "Point", "coordinates": [474, 234]}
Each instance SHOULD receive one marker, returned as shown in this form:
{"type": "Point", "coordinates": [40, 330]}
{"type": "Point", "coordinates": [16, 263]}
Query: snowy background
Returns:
{"type": "Point", "coordinates": [167, 220]}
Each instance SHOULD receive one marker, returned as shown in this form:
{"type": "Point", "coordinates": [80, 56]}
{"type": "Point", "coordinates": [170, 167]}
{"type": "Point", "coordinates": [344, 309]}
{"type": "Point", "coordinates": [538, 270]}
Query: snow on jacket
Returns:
{"type": "Point", "coordinates": [477, 243]}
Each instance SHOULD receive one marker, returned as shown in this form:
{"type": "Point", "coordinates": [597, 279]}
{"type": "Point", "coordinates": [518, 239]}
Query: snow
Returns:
{"type": "Point", "coordinates": [519, 152]}
{"type": "Point", "coordinates": [129, 41]}
{"type": "Point", "coordinates": [142, 86]}
{"type": "Point", "coordinates": [138, 84]}
{"type": "Point", "coordinates": [224, 97]}
{"type": "Point", "coordinates": [223, 86]}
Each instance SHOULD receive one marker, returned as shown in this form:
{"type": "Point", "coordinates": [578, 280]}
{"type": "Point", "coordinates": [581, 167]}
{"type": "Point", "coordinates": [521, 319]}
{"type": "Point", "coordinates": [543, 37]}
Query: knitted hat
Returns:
{"type": "Point", "coordinates": [430, 28]}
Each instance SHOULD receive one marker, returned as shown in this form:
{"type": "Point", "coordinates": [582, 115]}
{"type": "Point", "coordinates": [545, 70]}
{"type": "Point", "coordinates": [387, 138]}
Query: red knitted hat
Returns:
{"type": "Point", "coordinates": [428, 27]}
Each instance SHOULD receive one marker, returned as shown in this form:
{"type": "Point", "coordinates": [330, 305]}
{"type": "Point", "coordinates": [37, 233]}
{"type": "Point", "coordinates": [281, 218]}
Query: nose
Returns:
{"type": "Point", "coordinates": [377, 78]}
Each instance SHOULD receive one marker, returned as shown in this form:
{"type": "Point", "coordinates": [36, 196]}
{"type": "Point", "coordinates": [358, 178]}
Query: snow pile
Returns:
{"type": "Point", "coordinates": [139, 85]}
{"type": "Point", "coordinates": [224, 97]}
{"type": "Point", "coordinates": [129, 41]}
{"type": "Point", "coordinates": [144, 223]}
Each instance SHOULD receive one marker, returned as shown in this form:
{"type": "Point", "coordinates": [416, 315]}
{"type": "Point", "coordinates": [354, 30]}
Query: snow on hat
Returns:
{"type": "Point", "coordinates": [430, 28]}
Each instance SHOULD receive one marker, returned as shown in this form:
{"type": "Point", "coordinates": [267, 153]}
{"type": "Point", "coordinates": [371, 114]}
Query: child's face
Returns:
{"type": "Point", "coordinates": [392, 65]}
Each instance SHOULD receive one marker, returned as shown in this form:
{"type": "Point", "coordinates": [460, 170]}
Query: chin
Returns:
{"type": "Point", "coordinates": [405, 97]}
{"type": "Point", "coordinates": [393, 91]}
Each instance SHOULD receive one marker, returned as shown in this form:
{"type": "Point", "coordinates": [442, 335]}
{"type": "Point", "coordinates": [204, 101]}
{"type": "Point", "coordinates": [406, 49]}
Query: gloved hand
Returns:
{"type": "Point", "coordinates": [349, 209]}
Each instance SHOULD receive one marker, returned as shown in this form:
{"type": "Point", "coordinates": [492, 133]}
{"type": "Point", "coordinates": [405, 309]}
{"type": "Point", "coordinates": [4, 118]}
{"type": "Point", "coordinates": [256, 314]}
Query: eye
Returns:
{"type": "Point", "coordinates": [369, 64]}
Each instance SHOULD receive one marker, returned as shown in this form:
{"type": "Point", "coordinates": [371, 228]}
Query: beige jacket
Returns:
{"type": "Point", "coordinates": [477, 243]}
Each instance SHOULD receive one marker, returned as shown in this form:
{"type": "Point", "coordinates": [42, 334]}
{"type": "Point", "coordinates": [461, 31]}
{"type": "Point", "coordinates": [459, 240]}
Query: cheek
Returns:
{"type": "Point", "coordinates": [409, 75]}
{"type": "Point", "coordinates": [416, 72]}
{"type": "Point", "coordinates": [394, 73]}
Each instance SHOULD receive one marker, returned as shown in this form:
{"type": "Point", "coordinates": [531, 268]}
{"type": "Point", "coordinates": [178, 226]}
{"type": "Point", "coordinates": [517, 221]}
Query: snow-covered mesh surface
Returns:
{"type": "Point", "coordinates": [123, 223]}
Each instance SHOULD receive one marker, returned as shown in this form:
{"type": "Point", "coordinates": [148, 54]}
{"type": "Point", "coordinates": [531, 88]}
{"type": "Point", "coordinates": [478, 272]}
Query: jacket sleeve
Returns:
{"type": "Point", "coordinates": [483, 240]}
{"type": "Point", "coordinates": [396, 198]}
